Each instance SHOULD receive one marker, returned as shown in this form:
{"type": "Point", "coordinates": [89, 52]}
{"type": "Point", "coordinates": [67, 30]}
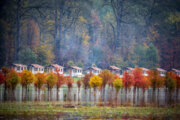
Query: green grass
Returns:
{"type": "Point", "coordinates": [53, 108]}
{"type": "Point", "coordinates": [76, 79]}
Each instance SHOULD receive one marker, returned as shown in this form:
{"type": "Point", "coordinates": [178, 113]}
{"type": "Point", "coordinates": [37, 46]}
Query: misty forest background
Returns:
{"type": "Point", "coordinates": [144, 33]}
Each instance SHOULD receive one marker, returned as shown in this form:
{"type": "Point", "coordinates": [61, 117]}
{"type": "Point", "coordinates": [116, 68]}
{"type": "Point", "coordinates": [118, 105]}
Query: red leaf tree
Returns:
{"type": "Point", "coordinates": [139, 79]}
{"type": "Point", "coordinates": [60, 81]}
{"type": "Point", "coordinates": [128, 80]}
{"type": "Point", "coordinates": [69, 83]}
{"type": "Point", "coordinates": [2, 78]}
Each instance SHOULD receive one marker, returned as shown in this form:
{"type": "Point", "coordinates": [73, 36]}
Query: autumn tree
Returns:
{"type": "Point", "coordinates": [2, 78]}
{"type": "Point", "coordinates": [139, 81]}
{"type": "Point", "coordinates": [95, 81]}
{"type": "Point", "coordinates": [12, 80]}
{"type": "Point", "coordinates": [51, 80]}
{"type": "Point", "coordinates": [170, 84]}
{"type": "Point", "coordinates": [26, 79]}
{"type": "Point", "coordinates": [106, 76]}
{"type": "Point", "coordinates": [170, 81]}
{"type": "Point", "coordinates": [127, 80]}
{"type": "Point", "coordinates": [177, 86]}
{"type": "Point", "coordinates": [117, 84]}
{"type": "Point", "coordinates": [86, 80]}
{"type": "Point", "coordinates": [156, 81]}
{"type": "Point", "coordinates": [69, 83]}
{"type": "Point", "coordinates": [5, 71]}
{"type": "Point", "coordinates": [39, 81]}
{"type": "Point", "coordinates": [59, 83]}
{"type": "Point", "coordinates": [79, 86]}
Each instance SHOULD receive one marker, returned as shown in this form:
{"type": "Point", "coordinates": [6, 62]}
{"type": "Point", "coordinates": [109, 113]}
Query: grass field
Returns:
{"type": "Point", "coordinates": [54, 110]}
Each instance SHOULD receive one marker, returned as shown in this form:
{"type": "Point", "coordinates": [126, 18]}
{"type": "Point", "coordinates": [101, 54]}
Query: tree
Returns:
{"type": "Point", "coordinates": [5, 71]}
{"type": "Point", "coordinates": [177, 86]}
{"type": "Point", "coordinates": [70, 63]}
{"type": "Point", "coordinates": [170, 84]}
{"type": "Point", "coordinates": [117, 84]}
{"type": "Point", "coordinates": [127, 80]}
{"type": "Point", "coordinates": [106, 76]}
{"type": "Point", "coordinates": [170, 81]}
{"type": "Point", "coordinates": [12, 80]}
{"type": "Point", "coordinates": [51, 80]}
{"type": "Point", "coordinates": [152, 57]}
{"type": "Point", "coordinates": [60, 82]}
{"type": "Point", "coordinates": [42, 56]}
{"type": "Point", "coordinates": [69, 82]}
{"type": "Point", "coordinates": [27, 56]}
{"type": "Point", "coordinates": [156, 81]}
{"type": "Point", "coordinates": [26, 79]}
{"type": "Point", "coordinates": [2, 78]}
{"type": "Point", "coordinates": [79, 86]}
{"type": "Point", "coordinates": [139, 80]}
{"type": "Point", "coordinates": [95, 81]}
{"type": "Point", "coordinates": [39, 81]}
{"type": "Point", "coordinates": [86, 80]}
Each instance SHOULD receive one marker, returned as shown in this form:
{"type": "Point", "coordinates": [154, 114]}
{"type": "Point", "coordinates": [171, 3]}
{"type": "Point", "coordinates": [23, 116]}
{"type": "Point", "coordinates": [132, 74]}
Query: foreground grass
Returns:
{"type": "Point", "coordinates": [54, 108]}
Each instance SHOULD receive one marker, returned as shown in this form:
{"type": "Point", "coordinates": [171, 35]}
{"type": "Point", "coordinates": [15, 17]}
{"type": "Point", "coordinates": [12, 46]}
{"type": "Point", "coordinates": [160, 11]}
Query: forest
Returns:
{"type": "Point", "coordinates": [141, 33]}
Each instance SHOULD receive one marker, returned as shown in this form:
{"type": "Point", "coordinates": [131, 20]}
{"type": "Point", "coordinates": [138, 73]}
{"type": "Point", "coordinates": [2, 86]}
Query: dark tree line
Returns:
{"type": "Point", "coordinates": [119, 32]}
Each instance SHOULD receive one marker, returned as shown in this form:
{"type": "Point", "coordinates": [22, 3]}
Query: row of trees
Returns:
{"type": "Point", "coordinates": [171, 81]}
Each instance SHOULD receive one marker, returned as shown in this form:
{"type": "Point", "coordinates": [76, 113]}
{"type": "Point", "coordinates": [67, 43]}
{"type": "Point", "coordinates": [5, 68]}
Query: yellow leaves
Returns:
{"type": "Point", "coordinates": [51, 80]}
{"type": "Point", "coordinates": [27, 78]}
{"type": "Point", "coordinates": [174, 18]}
{"type": "Point", "coordinates": [12, 79]}
{"type": "Point", "coordinates": [95, 81]}
{"type": "Point", "coordinates": [86, 38]}
{"type": "Point", "coordinates": [108, 15]}
{"type": "Point", "coordinates": [82, 19]}
{"type": "Point", "coordinates": [118, 83]}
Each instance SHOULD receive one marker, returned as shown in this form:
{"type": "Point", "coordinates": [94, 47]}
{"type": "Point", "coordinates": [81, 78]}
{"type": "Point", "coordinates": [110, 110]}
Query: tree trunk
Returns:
{"type": "Point", "coordinates": [134, 93]}
{"type": "Point", "coordinates": [22, 93]}
{"type": "Point", "coordinates": [18, 30]}
{"type": "Point", "coordinates": [13, 95]}
{"type": "Point", "coordinates": [153, 95]}
{"type": "Point", "coordinates": [158, 97]}
{"type": "Point", "coordinates": [78, 95]}
{"type": "Point", "coordinates": [5, 91]}
{"type": "Point", "coordinates": [57, 94]}
{"type": "Point", "coordinates": [177, 94]}
{"type": "Point", "coordinates": [94, 96]}
{"type": "Point", "coordinates": [117, 91]}
{"type": "Point", "coordinates": [39, 93]}
{"type": "Point", "coordinates": [143, 102]}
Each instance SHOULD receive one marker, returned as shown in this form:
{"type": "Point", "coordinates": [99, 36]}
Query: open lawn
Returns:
{"type": "Point", "coordinates": [53, 110]}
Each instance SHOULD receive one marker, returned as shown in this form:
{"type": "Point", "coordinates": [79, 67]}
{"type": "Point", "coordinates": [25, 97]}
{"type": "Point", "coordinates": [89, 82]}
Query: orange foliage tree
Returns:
{"type": "Point", "coordinates": [69, 83]}
{"type": "Point", "coordinates": [86, 80]}
{"type": "Point", "coordinates": [139, 79]}
{"type": "Point", "coordinates": [177, 85]}
{"type": "Point", "coordinates": [26, 78]}
{"type": "Point", "coordinates": [51, 80]}
{"type": "Point", "coordinates": [12, 80]}
{"type": "Point", "coordinates": [60, 80]}
{"type": "Point", "coordinates": [106, 76]}
{"type": "Point", "coordinates": [79, 86]}
{"type": "Point", "coordinates": [39, 81]}
{"type": "Point", "coordinates": [127, 80]}
{"type": "Point", "coordinates": [2, 78]}
{"type": "Point", "coordinates": [5, 71]}
{"type": "Point", "coordinates": [156, 81]}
